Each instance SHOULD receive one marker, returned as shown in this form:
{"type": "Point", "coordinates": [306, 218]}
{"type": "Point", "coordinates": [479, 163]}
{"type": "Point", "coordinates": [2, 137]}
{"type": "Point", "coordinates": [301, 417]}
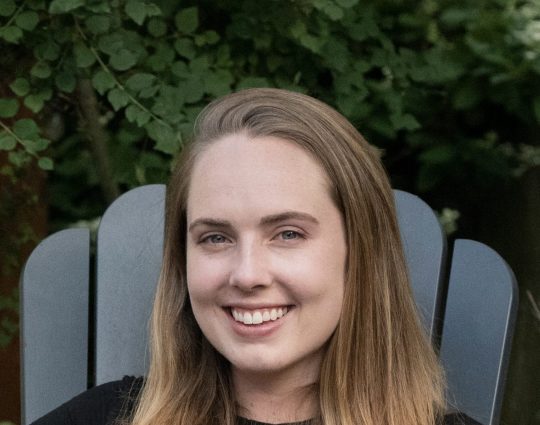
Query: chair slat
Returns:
{"type": "Point", "coordinates": [424, 244]}
{"type": "Point", "coordinates": [129, 253]}
{"type": "Point", "coordinates": [479, 319]}
{"type": "Point", "coordinates": [54, 322]}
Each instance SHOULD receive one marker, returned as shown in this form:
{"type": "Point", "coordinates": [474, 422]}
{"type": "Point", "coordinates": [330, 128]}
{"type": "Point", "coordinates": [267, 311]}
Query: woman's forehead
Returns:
{"type": "Point", "coordinates": [239, 171]}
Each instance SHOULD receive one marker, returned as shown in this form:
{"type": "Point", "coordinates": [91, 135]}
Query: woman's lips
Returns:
{"type": "Point", "coordinates": [257, 322]}
{"type": "Point", "coordinates": [259, 315]}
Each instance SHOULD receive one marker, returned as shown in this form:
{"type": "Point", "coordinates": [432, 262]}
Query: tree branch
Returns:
{"type": "Point", "coordinates": [98, 139]}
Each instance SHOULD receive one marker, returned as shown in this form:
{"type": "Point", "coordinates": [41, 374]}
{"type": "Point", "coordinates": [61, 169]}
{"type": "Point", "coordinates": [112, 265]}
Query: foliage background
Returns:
{"type": "Point", "coordinates": [101, 95]}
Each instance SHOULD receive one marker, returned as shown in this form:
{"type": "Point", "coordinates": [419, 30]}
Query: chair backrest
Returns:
{"type": "Point", "coordinates": [77, 333]}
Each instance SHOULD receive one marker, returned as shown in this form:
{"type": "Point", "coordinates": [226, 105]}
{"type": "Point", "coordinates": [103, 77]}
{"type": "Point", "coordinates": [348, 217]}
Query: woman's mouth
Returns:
{"type": "Point", "coordinates": [258, 316]}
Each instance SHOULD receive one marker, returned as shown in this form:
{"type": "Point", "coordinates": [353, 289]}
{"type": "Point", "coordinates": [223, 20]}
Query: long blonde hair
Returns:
{"type": "Point", "coordinates": [379, 367]}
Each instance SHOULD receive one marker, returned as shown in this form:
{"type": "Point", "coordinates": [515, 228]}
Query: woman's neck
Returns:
{"type": "Point", "coordinates": [276, 398]}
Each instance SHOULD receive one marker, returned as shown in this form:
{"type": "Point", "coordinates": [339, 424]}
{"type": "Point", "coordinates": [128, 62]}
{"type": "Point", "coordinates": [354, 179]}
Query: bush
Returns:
{"type": "Point", "coordinates": [114, 86]}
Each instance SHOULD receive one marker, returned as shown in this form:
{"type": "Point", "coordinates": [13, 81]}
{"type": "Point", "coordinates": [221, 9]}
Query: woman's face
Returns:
{"type": "Point", "coordinates": [266, 254]}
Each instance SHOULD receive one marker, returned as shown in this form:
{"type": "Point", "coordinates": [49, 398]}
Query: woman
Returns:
{"type": "Point", "coordinates": [283, 295]}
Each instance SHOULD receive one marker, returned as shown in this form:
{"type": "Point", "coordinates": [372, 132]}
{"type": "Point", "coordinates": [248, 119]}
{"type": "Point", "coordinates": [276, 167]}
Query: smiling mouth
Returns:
{"type": "Point", "coordinates": [258, 316]}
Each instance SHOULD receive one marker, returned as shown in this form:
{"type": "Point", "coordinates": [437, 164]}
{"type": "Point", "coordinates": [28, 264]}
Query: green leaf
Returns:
{"type": "Point", "coordinates": [103, 81]}
{"type": "Point", "coordinates": [45, 94]}
{"type": "Point", "coordinates": [187, 20]}
{"type": "Point", "coordinates": [63, 6]}
{"type": "Point", "coordinates": [37, 4]}
{"type": "Point", "coordinates": [199, 65]}
{"type": "Point", "coordinates": [299, 31]}
{"type": "Point", "coordinates": [346, 3]}
{"type": "Point", "coordinates": [218, 83]}
{"type": "Point", "coordinates": [118, 98]}
{"type": "Point", "coordinates": [167, 140]}
{"type": "Point", "coordinates": [456, 16]}
{"type": "Point", "coordinates": [7, 142]}
{"type": "Point", "coordinates": [157, 27]}
{"type": "Point", "coordinates": [439, 154]}
{"type": "Point", "coordinates": [185, 47]}
{"type": "Point", "coordinates": [98, 24]}
{"type": "Point", "coordinates": [212, 37]}
{"type": "Point", "coordinates": [250, 82]}
{"type": "Point", "coordinates": [193, 89]}
{"type": "Point", "coordinates": [162, 59]}
{"type": "Point", "coordinates": [83, 56]}
{"type": "Point", "coordinates": [149, 92]}
{"type": "Point", "coordinates": [131, 112]}
{"type": "Point", "coordinates": [11, 34]}
{"type": "Point", "coordinates": [123, 60]}
{"type": "Point", "coordinates": [209, 37]}
{"type": "Point", "coordinates": [29, 146]}
{"type": "Point", "coordinates": [45, 163]}
{"type": "Point", "coordinates": [65, 81]}
{"type": "Point", "coordinates": [41, 70]}
{"type": "Point", "coordinates": [140, 81]}
{"type": "Point", "coordinates": [41, 144]}
{"type": "Point", "coordinates": [404, 121]}
{"type": "Point", "coordinates": [18, 158]}
{"type": "Point", "coordinates": [142, 118]}
{"type": "Point", "coordinates": [180, 69]}
{"type": "Point", "coordinates": [8, 108]}
{"type": "Point", "coordinates": [99, 6]}
{"type": "Point", "coordinates": [7, 7]}
{"type": "Point", "coordinates": [170, 103]}
{"type": "Point", "coordinates": [223, 56]}
{"type": "Point", "coordinates": [152, 10]}
{"type": "Point", "coordinates": [27, 20]}
{"type": "Point", "coordinates": [20, 87]}
{"type": "Point", "coordinates": [111, 43]}
{"type": "Point", "coordinates": [26, 128]}
{"type": "Point", "coordinates": [48, 50]}
{"type": "Point", "coordinates": [335, 13]}
{"type": "Point", "coordinates": [136, 10]}
{"type": "Point", "coordinates": [34, 103]}
{"type": "Point", "coordinates": [136, 114]}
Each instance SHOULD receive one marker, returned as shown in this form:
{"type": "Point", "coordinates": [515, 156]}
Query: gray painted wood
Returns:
{"type": "Point", "coordinates": [479, 319]}
{"type": "Point", "coordinates": [424, 244]}
{"type": "Point", "coordinates": [54, 322]}
{"type": "Point", "coordinates": [129, 252]}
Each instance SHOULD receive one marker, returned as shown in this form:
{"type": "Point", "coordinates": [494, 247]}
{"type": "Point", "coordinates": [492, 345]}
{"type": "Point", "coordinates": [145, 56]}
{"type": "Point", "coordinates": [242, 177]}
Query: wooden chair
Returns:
{"type": "Point", "coordinates": [78, 332]}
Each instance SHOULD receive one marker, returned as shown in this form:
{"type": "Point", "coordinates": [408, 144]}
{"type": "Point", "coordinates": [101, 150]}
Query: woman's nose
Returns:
{"type": "Point", "coordinates": [249, 268]}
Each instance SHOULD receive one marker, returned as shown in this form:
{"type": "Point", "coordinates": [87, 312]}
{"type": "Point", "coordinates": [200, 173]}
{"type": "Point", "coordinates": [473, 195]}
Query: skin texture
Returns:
{"type": "Point", "coordinates": [264, 232]}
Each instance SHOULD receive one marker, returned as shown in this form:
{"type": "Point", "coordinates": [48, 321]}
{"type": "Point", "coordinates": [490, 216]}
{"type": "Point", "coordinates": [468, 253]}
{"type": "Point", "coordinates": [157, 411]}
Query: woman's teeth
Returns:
{"type": "Point", "coordinates": [256, 317]}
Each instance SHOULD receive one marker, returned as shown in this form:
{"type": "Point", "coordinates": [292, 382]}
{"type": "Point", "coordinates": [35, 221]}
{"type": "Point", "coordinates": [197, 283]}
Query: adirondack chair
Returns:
{"type": "Point", "coordinates": [78, 332]}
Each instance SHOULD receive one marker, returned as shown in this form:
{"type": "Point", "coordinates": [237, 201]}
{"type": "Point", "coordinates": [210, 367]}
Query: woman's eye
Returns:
{"type": "Point", "coordinates": [290, 235]}
{"type": "Point", "coordinates": [215, 239]}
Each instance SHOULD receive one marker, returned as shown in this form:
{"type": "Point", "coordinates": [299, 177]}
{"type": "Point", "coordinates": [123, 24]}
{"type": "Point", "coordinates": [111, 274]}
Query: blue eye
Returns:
{"type": "Point", "coordinates": [290, 235]}
{"type": "Point", "coordinates": [215, 239]}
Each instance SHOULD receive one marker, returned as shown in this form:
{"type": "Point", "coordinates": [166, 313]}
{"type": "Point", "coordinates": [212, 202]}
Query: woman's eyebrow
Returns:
{"type": "Point", "coordinates": [211, 222]}
{"type": "Point", "coordinates": [265, 221]}
{"type": "Point", "coordinates": [288, 215]}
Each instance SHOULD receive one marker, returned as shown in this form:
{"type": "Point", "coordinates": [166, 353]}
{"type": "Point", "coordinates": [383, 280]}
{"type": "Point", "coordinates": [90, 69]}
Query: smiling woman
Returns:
{"type": "Point", "coordinates": [283, 295]}
{"type": "Point", "coordinates": [272, 246]}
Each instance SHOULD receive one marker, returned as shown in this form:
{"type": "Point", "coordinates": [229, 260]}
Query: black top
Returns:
{"type": "Point", "coordinates": [102, 404]}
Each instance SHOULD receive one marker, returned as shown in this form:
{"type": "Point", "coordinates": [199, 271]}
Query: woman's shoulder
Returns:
{"type": "Point", "coordinates": [97, 406]}
{"type": "Point", "coordinates": [104, 403]}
